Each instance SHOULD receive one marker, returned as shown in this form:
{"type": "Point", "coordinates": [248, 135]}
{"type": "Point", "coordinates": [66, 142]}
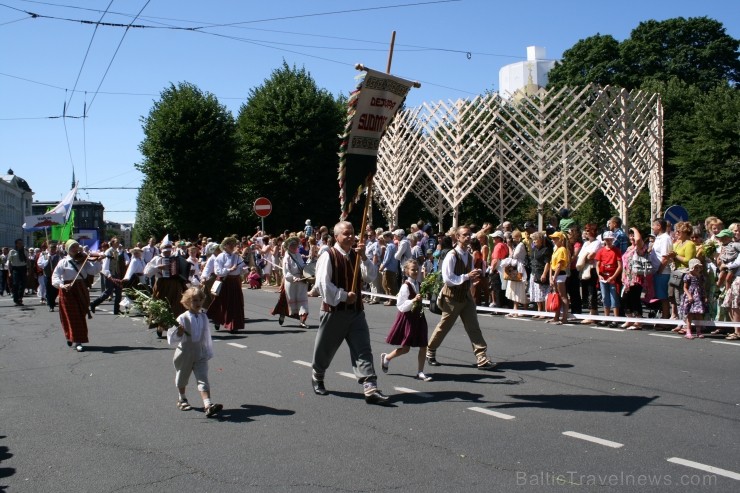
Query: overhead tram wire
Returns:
{"type": "Point", "coordinates": [114, 55]}
{"type": "Point", "coordinates": [87, 52]}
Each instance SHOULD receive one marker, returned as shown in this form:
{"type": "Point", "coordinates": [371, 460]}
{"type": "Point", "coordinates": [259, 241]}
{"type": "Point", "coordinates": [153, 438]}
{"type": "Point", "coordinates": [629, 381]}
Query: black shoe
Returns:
{"type": "Point", "coordinates": [377, 397]}
{"type": "Point", "coordinates": [318, 387]}
{"type": "Point", "coordinates": [69, 343]}
{"type": "Point", "coordinates": [432, 361]}
{"type": "Point", "coordinates": [488, 365]}
{"type": "Point", "coordinates": [51, 308]}
{"type": "Point", "coordinates": [217, 326]}
{"type": "Point", "coordinates": [92, 308]}
{"type": "Point", "coordinates": [281, 319]}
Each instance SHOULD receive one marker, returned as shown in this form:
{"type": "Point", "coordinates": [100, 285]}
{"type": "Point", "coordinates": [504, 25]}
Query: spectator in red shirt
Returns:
{"type": "Point", "coordinates": [500, 252]}
{"type": "Point", "coordinates": [609, 268]}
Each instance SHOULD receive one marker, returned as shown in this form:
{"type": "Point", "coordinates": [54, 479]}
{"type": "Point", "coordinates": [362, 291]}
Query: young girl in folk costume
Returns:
{"type": "Point", "coordinates": [293, 299]}
{"type": "Point", "coordinates": [694, 300]}
{"type": "Point", "coordinates": [194, 348]}
{"type": "Point", "coordinates": [410, 328]}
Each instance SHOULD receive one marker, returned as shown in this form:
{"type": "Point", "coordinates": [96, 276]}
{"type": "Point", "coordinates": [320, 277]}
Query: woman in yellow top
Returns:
{"type": "Point", "coordinates": [684, 248]}
{"type": "Point", "coordinates": [559, 264]}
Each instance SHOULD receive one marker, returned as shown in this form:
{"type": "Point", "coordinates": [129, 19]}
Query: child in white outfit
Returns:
{"type": "Point", "coordinates": [192, 337]}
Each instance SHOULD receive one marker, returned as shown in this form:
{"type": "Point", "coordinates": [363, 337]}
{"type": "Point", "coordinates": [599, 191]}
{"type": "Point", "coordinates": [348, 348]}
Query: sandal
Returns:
{"type": "Point", "coordinates": [733, 337]}
{"type": "Point", "coordinates": [716, 331]}
{"type": "Point", "coordinates": [184, 405]}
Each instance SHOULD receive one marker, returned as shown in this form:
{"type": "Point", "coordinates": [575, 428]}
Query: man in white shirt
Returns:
{"type": "Point", "coordinates": [342, 314]}
{"type": "Point", "coordinates": [660, 257]}
{"type": "Point", "coordinates": [455, 300]}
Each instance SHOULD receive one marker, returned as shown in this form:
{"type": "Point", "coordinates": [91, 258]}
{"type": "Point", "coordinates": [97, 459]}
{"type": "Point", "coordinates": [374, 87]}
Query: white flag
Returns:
{"type": "Point", "coordinates": [65, 206]}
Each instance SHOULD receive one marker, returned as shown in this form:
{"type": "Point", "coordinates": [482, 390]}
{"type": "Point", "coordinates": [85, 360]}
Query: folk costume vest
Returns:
{"type": "Point", "coordinates": [461, 292]}
{"type": "Point", "coordinates": [342, 271]}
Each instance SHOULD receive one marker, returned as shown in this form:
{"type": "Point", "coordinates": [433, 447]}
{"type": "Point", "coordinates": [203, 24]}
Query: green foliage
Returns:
{"type": "Point", "coordinates": [591, 60]}
{"type": "Point", "coordinates": [157, 312]}
{"type": "Point", "coordinates": [190, 163]}
{"type": "Point", "coordinates": [151, 219]}
{"type": "Point", "coordinates": [288, 140]}
{"type": "Point", "coordinates": [708, 156]}
{"type": "Point", "coordinates": [696, 50]}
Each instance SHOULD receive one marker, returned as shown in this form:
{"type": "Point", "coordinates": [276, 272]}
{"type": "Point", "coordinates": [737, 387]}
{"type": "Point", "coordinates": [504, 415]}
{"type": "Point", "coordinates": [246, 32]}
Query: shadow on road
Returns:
{"type": "Point", "coordinates": [531, 366]}
{"type": "Point", "coordinates": [429, 397]}
{"type": "Point", "coordinates": [122, 349]}
{"type": "Point", "coordinates": [248, 411]}
{"type": "Point", "coordinates": [5, 472]}
{"type": "Point", "coordinates": [627, 405]}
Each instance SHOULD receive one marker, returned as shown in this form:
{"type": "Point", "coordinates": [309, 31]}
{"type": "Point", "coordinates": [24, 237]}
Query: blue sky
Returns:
{"type": "Point", "coordinates": [454, 48]}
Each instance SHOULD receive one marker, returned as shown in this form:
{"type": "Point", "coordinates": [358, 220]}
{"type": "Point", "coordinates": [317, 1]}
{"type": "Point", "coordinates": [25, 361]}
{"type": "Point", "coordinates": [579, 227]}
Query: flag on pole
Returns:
{"type": "Point", "coordinates": [371, 108]}
{"type": "Point", "coordinates": [65, 206]}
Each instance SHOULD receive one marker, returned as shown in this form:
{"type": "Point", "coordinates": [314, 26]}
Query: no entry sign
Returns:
{"type": "Point", "coordinates": [262, 207]}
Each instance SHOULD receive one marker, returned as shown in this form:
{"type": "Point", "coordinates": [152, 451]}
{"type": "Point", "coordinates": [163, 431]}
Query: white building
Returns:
{"type": "Point", "coordinates": [15, 204]}
{"type": "Point", "coordinates": [525, 76]}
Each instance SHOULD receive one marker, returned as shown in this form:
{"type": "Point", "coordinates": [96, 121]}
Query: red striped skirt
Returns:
{"type": "Point", "coordinates": [73, 306]}
{"type": "Point", "coordinates": [227, 308]}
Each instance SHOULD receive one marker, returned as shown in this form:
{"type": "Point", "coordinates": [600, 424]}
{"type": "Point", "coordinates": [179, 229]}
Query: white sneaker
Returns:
{"type": "Point", "coordinates": [423, 377]}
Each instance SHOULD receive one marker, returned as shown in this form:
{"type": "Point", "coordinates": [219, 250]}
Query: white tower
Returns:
{"type": "Point", "coordinates": [525, 76]}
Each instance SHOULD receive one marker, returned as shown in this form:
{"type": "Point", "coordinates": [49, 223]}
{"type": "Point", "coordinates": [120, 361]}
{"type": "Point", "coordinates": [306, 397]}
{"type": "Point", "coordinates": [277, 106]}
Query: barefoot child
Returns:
{"type": "Point", "coordinates": [410, 328]}
{"type": "Point", "coordinates": [694, 299]}
{"type": "Point", "coordinates": [194, 348]}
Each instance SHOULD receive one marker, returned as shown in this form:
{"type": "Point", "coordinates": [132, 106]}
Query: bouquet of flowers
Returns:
{"type": "Point", "coordinates": [710, 248]}
{"type": "Point", "coordinates": [430, 288]}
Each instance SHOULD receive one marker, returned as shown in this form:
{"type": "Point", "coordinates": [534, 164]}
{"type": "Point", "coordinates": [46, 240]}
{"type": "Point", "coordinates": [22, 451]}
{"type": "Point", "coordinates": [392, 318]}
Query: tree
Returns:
{"type": "Point", "coordinates": [708, 157]}
{"type": "Point", "coordinates": [288, 132]}
{"type": "Point", "coordinates": [696, 50]}
{"type": "Point", "coordinates": [591, 60]}
{"type": "Point", "coordinates": [151, 219]}
{"type": "Point", "coordinates": [190, 164]}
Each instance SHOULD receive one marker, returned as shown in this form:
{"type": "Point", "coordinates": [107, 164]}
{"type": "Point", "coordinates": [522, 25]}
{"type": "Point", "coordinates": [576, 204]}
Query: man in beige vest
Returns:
{"type": "Point", "coordinates": [456, 300]}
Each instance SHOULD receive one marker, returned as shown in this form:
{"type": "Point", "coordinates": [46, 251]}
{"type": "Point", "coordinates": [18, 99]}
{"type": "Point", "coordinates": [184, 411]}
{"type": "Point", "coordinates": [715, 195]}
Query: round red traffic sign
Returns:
{"type": "Point", "coordinates": [262, 207]}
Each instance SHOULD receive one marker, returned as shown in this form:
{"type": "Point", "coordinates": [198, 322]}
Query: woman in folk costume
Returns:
{"type": "Point", "coordinates": [228, 307]}
{"type": "Point", "coordinates": [293, 301]}
{"type": "Point", "coordinates": [70, 278]}
{"type": "Point", "coordinates": [171, 276]}
{"type": "Point", "coordinates": [208, 276]}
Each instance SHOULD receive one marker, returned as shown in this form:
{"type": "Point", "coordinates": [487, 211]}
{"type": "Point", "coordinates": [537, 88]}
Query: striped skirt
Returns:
{"type": "Point", "coordinates": [73, 306]}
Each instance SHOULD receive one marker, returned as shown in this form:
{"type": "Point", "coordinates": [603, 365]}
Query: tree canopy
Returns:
{"type": "Point", "coordinates": [288, 135]}
{"type": "Point", "coordinates": [190, 165]}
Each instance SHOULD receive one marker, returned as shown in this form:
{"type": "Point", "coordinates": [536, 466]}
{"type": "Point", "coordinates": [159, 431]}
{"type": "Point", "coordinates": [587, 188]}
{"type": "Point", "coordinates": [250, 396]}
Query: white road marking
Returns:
{"type": "Point", "coordinates": [589, 438]}
{"type": "Point", "coordinates": [345, 374]}
{"type": "Point", "coordinates": [728, 343]}
{"type": "Point", "coordinates": [268, 353]}
{"type": "Point", "coordinates": [608, 328]}
{"type": "Point", "coordinates": [704, 467]}
{"type": "Point", "coordinates": [304, 363]}
{"type": "Point", "coordinates": [406, 390]}
{"type": "Point", "coordinates": [236, 344]}
{"type": "Point", "coordinates": [666, 335]}
{"type": "Point", "coordinates": [491, 413]}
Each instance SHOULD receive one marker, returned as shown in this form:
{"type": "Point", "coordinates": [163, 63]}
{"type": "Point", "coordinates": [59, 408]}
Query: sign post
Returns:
{"type": "Point", "coordinates": [263, 208]}
{"type": "Point", "coordinates": [676, 214]}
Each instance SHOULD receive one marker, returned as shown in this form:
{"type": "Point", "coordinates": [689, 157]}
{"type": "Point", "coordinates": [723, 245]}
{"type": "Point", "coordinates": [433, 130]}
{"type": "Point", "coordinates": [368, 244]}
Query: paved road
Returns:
{"type": "Point", "coordinates": [568, 406]}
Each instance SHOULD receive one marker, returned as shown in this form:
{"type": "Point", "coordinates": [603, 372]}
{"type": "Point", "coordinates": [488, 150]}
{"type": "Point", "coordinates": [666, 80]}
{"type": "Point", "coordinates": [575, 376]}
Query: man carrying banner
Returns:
{"type": "Point", "coordinates": [342, 314]}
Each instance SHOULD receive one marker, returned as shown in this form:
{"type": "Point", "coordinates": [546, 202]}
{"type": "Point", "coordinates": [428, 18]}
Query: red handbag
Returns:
{"type": "Point", "coordinates": [552, 304]}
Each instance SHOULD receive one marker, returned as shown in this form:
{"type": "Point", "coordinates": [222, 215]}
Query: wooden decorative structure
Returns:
{"type": "Point", "coordinates": [556, 146]}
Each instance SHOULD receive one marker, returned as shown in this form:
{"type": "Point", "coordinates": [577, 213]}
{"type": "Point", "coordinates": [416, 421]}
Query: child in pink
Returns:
{"type": "Point", "coordinates": [254, 278]}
